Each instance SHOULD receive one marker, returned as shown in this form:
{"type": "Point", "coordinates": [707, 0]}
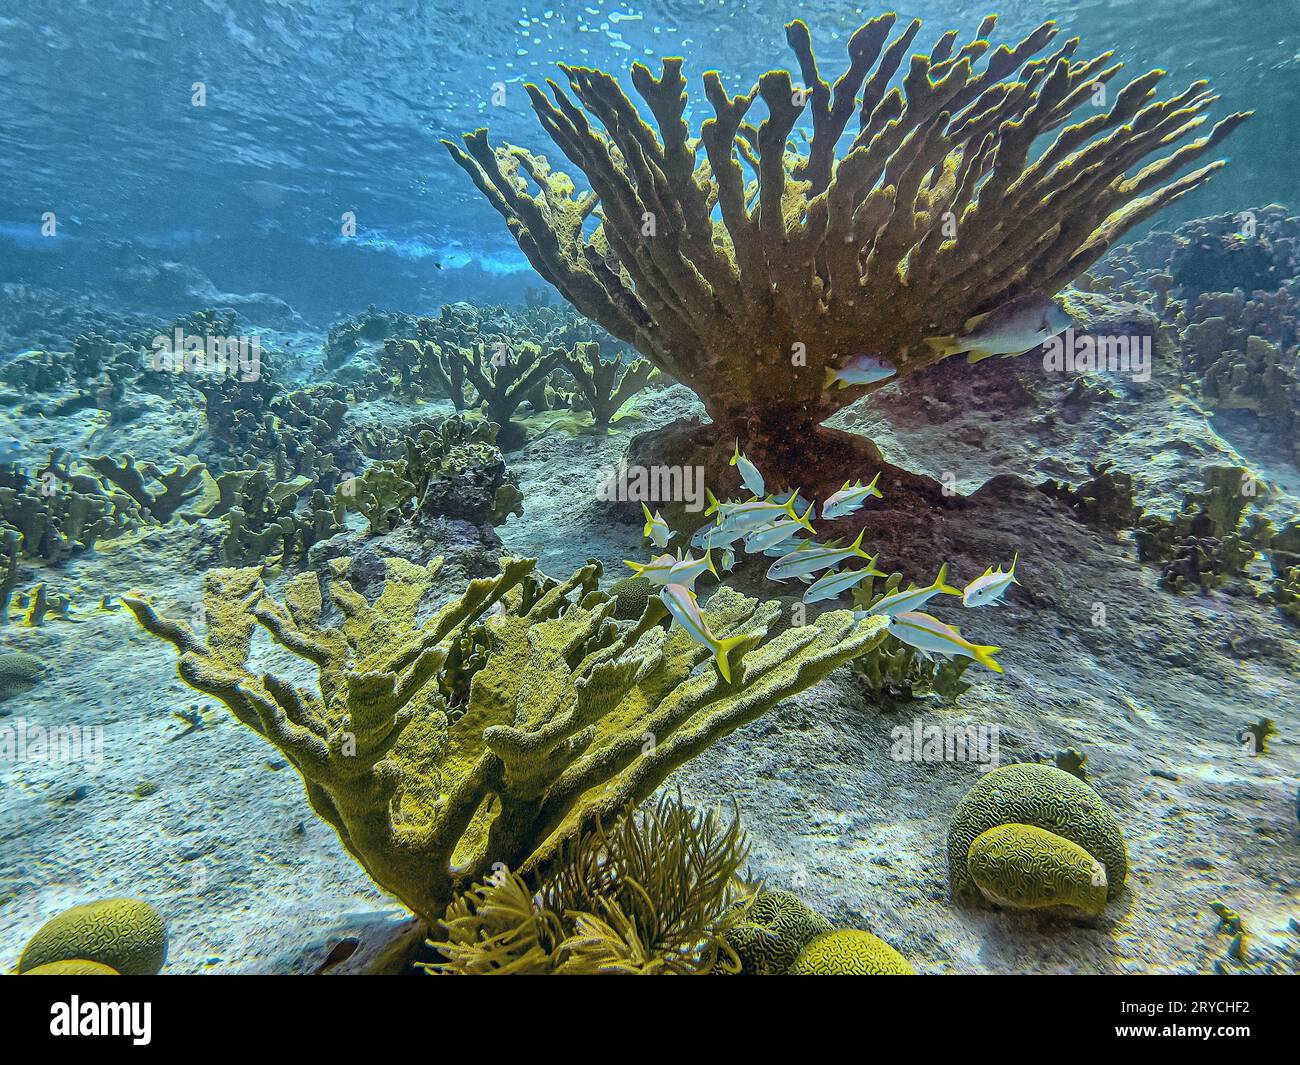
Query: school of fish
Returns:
{"type": "Point", "coordinates": [774, 525]}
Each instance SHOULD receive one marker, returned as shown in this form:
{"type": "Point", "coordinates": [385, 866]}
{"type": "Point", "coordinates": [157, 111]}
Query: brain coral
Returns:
{"type": "Point", "coordinates": [769, 932]}
{"type": "Point", "coordinates": [74, 967]}
{"type": "Point", "coordinates": [123, 934]}
{"type": "Point", "coordinates": [1044, 797]}
{"type": "Point", "coordinates": [1027, 867]}
{"type": "Point", "coordinates": [850, 952]}
{"type": "Point", "coordinates": [18, 672]}
{"type": "Point", "coordinates": [631, 596]}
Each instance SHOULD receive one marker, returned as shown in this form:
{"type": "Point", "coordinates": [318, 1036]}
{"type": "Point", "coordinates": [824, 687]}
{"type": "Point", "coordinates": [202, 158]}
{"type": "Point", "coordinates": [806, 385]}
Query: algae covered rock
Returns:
{"type": "Point", "coordinates": [1029, 868]}
{"type": "Point", "coordinates": [1043, 797]}
{"type": "Point", "coordinates": [850, 952]}
{"type": "Point", "coordinates": [768, 931]}
{"type": "Point", "coordinates": [126, 935]}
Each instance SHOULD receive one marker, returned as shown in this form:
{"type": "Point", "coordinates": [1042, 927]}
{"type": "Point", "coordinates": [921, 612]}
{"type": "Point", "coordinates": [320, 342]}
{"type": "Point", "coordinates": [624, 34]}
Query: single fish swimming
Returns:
{"type": "Point", "coordinates": [1017, 326]}
{"type": "Point", "coordinates": [850, 498]}
{"type": "Point", "coordinates": [775, 533]}
{"type": "Point", "coordinates": [748, 516]}
{"type": "Point", "coordinates": [685, 609]}
{"type": "Point", "coordinates": [837, 582]}
{"type": "Point", "coordinates": [656, 528]}
{"type": "Point", "coordinates": [809, 557]}
{"type": "Point", "coordinates": [989, 588]}
{"type": "Point", "coordinates": [749, 474]}
{"type": "Point", "coordinates": [859, 370]}
{"type": "Point", "coordinates": [656, 570]}
{"type": "Point", "coordinates": [685, 570]}
{"type": "Point", "coordinates": [914, 598]}
{"type": "Point", "coordinates": [931, 636]}
{"type": "Point", "coordinates": [714, 535]}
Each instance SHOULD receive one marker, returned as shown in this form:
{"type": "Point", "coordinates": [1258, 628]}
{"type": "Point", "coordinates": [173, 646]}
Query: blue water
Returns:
{"type": "Point", "coordinates": [314, 109]}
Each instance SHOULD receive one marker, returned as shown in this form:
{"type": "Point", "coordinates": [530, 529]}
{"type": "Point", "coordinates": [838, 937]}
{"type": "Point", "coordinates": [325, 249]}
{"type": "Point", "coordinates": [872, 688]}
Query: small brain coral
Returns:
{"type": "Point", "coordinates": [1029, 868]}
{"type": "Point", "coordinates": [631, 596]}
{"type": "Point", "coordinates": [768, 931]}
{"type": "Point", "coordinates": [74, 967]}
{"type": "Point", "coordinates": [125, 935]}
{"type": "Point", "coordinates": [1042, 797]}
{"type": "Point", "coordinates": [850, 952]}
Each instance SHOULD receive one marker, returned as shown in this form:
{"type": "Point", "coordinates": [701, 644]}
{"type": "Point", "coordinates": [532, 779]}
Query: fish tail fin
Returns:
{"type": "Point", "coordinates": [708, 557]}
{"type": "Point", "coordinates": [805, 521]}
{"type": "Point", "coordinates": [983, 654]}
{"type": "Point", "coordinates": [713, 503]}
{"type": "Point", "coordinates": [637, 568]}
{"type": "Point", "coordinates": [735, 455]}
{"type": "Point", "coordinates": [873, 490]}
{"type": "Point", "coordinates": [940, 582]}
{"type": "Point", "coordinates": [829, 379]}
{"type": "Point", "coordinates": [649, 520]}
{"type": "Point", "coordinates": [856, 546]}
{"type": "Point", "coordinates": [944, 345]}
{"type": "Point", "coordinates": [1012, 571]}
{"type": "Point", "coordinates": [720, 652]}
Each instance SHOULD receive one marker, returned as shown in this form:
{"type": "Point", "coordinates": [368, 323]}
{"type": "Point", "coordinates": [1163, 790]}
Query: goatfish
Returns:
{"type": "Point", "coordinates": [748, 516]}
{"type": "Point", "coordinates": [837, 582]}
{"type": "Point", "coordinates": [749, 475]}
{"type": "Point", "coordinates": [914, 598]}
{"type": "Point", "coordinates": [850, 498]}
{"type": "Point", "coordinates": [989, 588]}
{"type": "Point", "coordinates": [1017, 326]}
{"type": "Point", "coordinates": [774, 533]}
{"type": "Point", "coordinates": [859, 370]}
{"type": "Point", "coordinates": [685, 609]}
{"type": "Point", "coordinates": [931, 636]}
{"type": "Point", "coordinates": [656, 528]}
{"type": "Point", "coordinates": [809, 557]}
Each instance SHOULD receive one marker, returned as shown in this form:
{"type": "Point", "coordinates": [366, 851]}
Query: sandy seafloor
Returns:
{"type": "Point", "coordinates": [213, 829]}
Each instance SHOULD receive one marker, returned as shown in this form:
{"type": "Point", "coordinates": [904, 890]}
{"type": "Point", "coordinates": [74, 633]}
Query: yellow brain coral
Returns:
{"type": "Point", "coordinates": [1044, 797]}
{"type": "Point", "coordinates": [126, 935]}
{"type": "Point", "coordinates": [768, 931]}
{"type": "Point", "coordinates": [850, 952]}
{"type": "Point", "coordinates": [74, 967]}
{"type": "Point", "coordinates": [1029, 868]}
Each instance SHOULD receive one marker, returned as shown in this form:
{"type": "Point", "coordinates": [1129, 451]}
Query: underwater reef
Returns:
{"type": "Point", "coordinates": [1019, 698]}
{"type": "Point", "coordinates": [934, 216]}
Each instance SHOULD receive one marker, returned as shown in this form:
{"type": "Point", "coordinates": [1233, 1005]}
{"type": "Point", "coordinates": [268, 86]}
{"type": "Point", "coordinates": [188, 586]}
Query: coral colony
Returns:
{"type": "Point", "coordinates": [651, 631]}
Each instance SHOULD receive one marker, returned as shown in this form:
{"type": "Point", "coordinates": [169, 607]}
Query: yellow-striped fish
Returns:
{"type": "Point", "coordinates": [656, 529]}
{"type": "Point", "coordinates": [914, 598]}
{"type": "Point", "coordinates": [931, 636]}
{"type": "Point", "coordinates": [989, 588]}
{"type": "Point", "coordinates": [685, 609]}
